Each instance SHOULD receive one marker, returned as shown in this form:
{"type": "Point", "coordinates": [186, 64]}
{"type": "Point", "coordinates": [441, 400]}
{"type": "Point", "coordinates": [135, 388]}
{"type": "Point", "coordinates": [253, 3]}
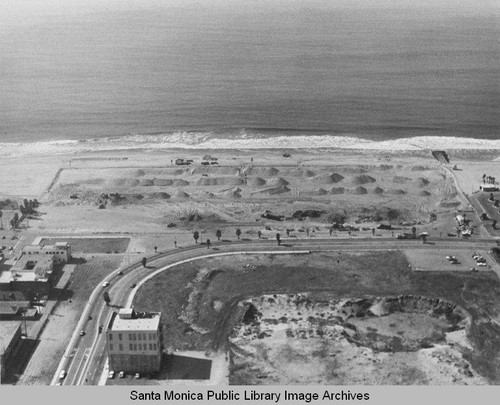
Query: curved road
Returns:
{"type": "Point", "coordinates": [85, 355]}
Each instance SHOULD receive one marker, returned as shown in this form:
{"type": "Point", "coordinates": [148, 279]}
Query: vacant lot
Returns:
{"type": "Point", "coordinates": [92, 245]}
{"type": "Point", "coordinates": [200, 301]}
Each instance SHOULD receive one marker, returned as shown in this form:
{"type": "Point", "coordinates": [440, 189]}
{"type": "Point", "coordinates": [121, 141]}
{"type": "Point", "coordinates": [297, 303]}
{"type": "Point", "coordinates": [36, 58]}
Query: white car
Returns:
{"type": "Point", "coordinates": [482, 264]}
{"type": "Point", "coordinates": [111, 374]}
{"type": "Point", "coordinates": [62, 374]}
{"type": "Point", "coordinates": [451, 258]}
{"type": "Point", "coordinates": [137, 375]}
{"type": "Point", "coordinates": [105, 284]}
{"type": "Point", "coordinates": [121, 374]}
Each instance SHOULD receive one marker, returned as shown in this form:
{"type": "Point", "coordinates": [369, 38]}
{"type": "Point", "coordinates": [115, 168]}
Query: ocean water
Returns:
{"type": "Point", "coordinates": [251, 73]}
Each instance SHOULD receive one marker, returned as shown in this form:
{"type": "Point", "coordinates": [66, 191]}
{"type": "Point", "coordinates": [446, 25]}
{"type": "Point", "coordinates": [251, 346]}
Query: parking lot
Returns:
{"type": "Point", "coordinates": [437, 260]}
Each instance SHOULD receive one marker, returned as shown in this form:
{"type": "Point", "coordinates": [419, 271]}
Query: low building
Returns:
{"type": "Point", "coordinates": [32, 272]}
{"type": "Point", "coordinates": [60, 252]}
{"type": "Point", "coordinates": [10, 341]}
{"type": "Point", "coordinates": [133, 341]}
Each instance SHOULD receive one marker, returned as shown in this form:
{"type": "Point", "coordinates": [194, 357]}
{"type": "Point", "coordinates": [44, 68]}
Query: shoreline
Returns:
{"type": "Point", "coordinates": [207, 141]}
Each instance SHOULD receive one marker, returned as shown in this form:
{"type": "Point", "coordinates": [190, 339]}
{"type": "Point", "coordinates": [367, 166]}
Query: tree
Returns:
{"type": "Point", "coordinates": [144, 261]}
{"type": "Point", "coordinates": [1, 221]}
{"type": "Point", "coordinates": [238, 232]}
{"type": "Point", "coordinates": [278, 238]}
{"type": "Point", "coordinates": [259, 234]}
{"type": "Point", "coordinates": [414, 232]}
{"type": "Point", "coordinates": [196, 236]}
{"type": "Point", "coordinates": [218, 233]}
{"type": "Point", "coordinates": [208, 243]}
{"type": "Point", "coordinates": [494, 224]}
{"type": "Point", "coordinates": [106, 297]}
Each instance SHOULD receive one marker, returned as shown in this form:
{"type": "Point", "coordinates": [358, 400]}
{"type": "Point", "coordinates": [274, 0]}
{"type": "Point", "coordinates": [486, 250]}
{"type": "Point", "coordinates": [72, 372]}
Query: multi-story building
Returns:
{"type": "Point", "coordinates": [133, 341]}
{"type": "Point", "coordinates": [10, 341]}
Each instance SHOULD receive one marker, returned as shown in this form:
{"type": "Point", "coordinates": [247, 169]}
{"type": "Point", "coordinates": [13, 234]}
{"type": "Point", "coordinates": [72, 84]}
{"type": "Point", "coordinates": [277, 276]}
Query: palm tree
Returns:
{"type": "Point", "coordinates": [196, 235]}
{"type": "Point", "coordinates": [218, 233]}
{"type": "Point", "coordinates": [238, 232]}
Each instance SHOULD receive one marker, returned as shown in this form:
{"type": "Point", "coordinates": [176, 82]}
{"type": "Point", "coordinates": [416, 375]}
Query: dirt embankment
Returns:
{"type": "Point", "coordinates": [268, 345]}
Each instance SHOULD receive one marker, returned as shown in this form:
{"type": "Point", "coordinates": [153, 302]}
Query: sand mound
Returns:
{"type": "Point", "coordinates": [400, 179]}
{"type": "Point", "coordinates": [395, 191]}
{"type": "Point", "coordinates": [328, 178]}
{"type": "Point", "coordinates": [385, 167]}
{"type": "Point", "coordinates": [337, 190]}
{"type": "Point", "coordinates": [423, 207]}
{"type": "Point", "coordinates": [181, 194]}
{"type": "Point", "coordinates": [161, 196]}
{"type": "Point", "coordinates": [261, 171]}
{"type": "Point", "coordinates": [319, 191]}
{"type": "Point", "coordinates": [227, 171]}
{"type": "Point", "coordinates": [180, 183]}
{"type": "Point", "coordinates": [424, 193]}
{"type": "Point", "coordinates": [219, 181]}
{"type": "Point", "coordinates": [301, 173]}
{"type": "Point", "coordinates": [124, 182]}
{"type": "Point", "coordinates": [277, 181]}
{"type": "Point", "coordinates": [363, 179]}
{"type": "Point", "coordinates": [146, 182]}
{"type": "Point", "coordinates": [256, 181]}
{"type": "Point", "coordinates": [421, 181]}
{"type": "Point", "coordinates": [378, 190]}
{"type": "Point", "coordinates": [358, 190]}
{"type": "Point", "coordinates": [162, 182]}
{"type": "Point", "coordinates": [206, 194]}
{"type": "Point", "coordinates": [139, 173]}
{"type": "Point", "coordinates": [275, 190]}
{"type": "Point", "coordinates": [230, 194]}
{"type": "Point", "coordinates": [419, 168]}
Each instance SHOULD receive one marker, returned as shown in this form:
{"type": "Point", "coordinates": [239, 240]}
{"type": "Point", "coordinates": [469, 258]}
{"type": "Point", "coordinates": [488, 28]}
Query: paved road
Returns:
{"type": "Point", "coordinates": [85, 355]}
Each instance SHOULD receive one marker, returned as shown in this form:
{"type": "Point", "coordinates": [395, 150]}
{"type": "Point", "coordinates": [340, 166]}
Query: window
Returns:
{"type": "Point", "coordinates": [130, 347]}
{"type": "Point", "coordinates": [110, 336]}
{"type": "Point", "coordinates": [130, 336]}
{"type": "Point", "coordinates": [140, 336]}
{"type": "Point", "coordinates": [111, 347]}
{"type": "Point", "coordinates": [150, 346]}
{"type": "Point", "coordinates": [121, 347]}
{"type": "Point", "coordinates": [119, 336]}
{"type": "Point", "coordinates": [154, 346]}
{"type": "Point", "coordinates": [140, 346]}
{"type": "Point", "coordinates": [135, 346]}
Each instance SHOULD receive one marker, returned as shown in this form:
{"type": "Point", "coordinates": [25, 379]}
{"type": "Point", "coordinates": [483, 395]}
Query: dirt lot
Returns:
{"type": "Point", "coordinates": [202, 304]}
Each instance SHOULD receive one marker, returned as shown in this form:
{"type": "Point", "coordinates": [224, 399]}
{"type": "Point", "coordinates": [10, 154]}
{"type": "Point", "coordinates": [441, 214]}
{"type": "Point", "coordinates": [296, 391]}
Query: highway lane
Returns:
{"type": "Point", "coordinates": [85, 355]}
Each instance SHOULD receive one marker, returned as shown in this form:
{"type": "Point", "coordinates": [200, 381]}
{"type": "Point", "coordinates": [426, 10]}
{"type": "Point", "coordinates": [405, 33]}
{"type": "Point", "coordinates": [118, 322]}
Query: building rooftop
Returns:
{"type": "Point", "coordinates": [128, 320]}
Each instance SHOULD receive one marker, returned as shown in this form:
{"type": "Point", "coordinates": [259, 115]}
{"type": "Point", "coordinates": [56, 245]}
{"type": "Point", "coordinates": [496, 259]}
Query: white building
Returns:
{"type": "Point", "coordinates": [133, 341]}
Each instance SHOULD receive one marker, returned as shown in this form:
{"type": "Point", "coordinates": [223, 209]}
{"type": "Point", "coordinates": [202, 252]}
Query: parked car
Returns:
{"type": "Point", "coordinates": [62, 374]}
{"type": "Point", "coordinates": [105, 284]}
{"type": "Point", "coordinates": [82, 333]}
{"type": "Point", "coordinates": [111, 374]}
{"type": "Point", "coordinates": [137, 375]}
{"type": "Point", "coordinates": [121, 374]}
{"type": "Point", "coordinates": [481, 264]}
{"type": "Point", "coordinates": [451, 258]}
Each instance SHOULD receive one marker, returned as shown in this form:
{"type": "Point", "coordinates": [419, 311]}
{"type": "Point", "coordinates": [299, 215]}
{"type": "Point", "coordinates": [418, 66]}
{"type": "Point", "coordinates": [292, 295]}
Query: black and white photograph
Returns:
{"type": "Point", "coordinates": [278, 193]}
